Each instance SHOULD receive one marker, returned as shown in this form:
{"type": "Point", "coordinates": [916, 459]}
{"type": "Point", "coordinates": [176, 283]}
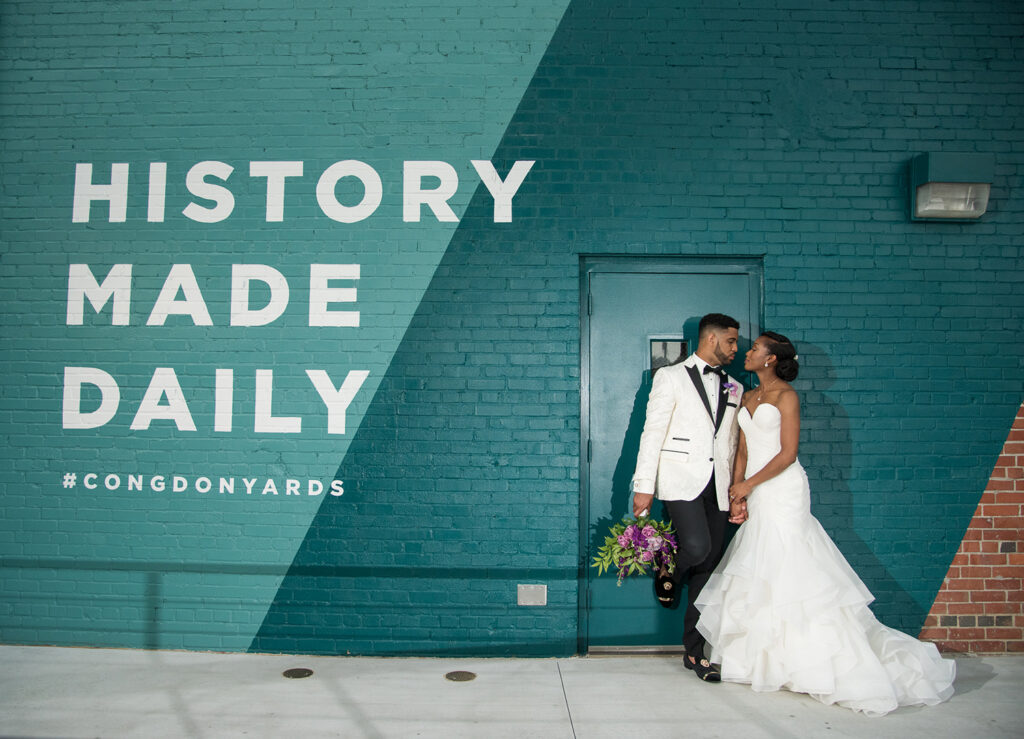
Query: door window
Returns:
{"type": "Point", "coordinates": [666, 351]}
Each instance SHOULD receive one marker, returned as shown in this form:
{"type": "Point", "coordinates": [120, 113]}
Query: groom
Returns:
{"type": "Point", "coordinates": [686, 455]}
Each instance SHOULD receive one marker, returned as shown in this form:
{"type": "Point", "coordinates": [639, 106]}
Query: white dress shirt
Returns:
{"type": "Point", "coordinates": [712, 381]}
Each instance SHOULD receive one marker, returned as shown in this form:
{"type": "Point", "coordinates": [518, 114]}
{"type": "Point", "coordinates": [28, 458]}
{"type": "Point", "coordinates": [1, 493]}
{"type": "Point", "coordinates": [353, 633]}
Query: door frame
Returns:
{"type": "Point", "coordinates": [752, 265]}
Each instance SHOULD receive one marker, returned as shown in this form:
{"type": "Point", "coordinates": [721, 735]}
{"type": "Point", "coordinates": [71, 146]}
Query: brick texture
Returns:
{"type": "Point", "coordinates": [980, 607]}
{"type": "Point", "coordinates": [775, 130]}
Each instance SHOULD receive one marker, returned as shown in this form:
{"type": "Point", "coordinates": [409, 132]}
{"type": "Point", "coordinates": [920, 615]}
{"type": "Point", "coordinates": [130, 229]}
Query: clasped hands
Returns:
{"type": "Point", "coordinates": [738, 501]}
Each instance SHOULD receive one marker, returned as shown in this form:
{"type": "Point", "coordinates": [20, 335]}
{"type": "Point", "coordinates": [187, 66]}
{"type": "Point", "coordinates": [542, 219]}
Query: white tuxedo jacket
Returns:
{"type": "Point", "coordinates": [687, 436]}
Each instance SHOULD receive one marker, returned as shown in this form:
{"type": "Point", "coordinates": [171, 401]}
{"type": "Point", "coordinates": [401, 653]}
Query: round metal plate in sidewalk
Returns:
{"type": "Point", "coordinates": [460, 676]}
{"type": "Point", "coordinates": [297, 672]}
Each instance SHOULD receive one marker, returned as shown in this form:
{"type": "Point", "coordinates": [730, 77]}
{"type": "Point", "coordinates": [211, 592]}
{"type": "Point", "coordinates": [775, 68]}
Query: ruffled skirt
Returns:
{"type": "Point", "coordinates": [784, 610]}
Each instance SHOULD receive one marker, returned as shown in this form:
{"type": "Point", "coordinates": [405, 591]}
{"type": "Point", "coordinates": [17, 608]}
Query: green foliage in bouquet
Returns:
{"type": "Point", "coordinates": [637, 546]}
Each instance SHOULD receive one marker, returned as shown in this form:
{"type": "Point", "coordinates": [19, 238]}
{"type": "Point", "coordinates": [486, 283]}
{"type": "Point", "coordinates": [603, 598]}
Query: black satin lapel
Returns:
{"type": "Point", "coordinates": [698, 383]}
{"type": "Point", "coordinates": [723, 399]}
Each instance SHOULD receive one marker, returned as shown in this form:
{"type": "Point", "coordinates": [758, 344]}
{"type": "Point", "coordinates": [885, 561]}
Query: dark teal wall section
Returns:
{"type": "Point", "coordinates": [778, 130]}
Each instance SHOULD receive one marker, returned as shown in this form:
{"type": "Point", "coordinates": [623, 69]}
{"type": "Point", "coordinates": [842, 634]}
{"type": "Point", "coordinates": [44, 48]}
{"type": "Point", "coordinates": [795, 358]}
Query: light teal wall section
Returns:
{"type": "Point", "coordinates": [140, 82]}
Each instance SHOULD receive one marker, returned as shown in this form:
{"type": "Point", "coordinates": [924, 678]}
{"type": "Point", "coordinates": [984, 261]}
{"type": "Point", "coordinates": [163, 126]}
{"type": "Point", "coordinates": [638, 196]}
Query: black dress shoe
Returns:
{"type": "Point", "coordinates": [666, 591]}
{"type": "Point", "coordinates": [703, 669]}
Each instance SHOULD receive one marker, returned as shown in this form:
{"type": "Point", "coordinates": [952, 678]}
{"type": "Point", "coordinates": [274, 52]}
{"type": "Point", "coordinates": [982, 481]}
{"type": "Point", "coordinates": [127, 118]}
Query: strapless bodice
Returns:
{"type": "Point", "coordinates": [762, 434]}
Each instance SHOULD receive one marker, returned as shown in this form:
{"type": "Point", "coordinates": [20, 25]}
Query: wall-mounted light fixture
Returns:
{"type": "Point", "coordinates": [950, 187]}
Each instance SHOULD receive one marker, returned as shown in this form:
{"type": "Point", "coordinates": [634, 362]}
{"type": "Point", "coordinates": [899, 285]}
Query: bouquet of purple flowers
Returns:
{"type": "Point", "coordinates": [636, 544]}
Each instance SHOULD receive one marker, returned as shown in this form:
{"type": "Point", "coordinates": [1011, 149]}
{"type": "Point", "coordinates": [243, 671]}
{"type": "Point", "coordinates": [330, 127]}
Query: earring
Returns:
{"type": "Point", "coordinates": [766, 364]}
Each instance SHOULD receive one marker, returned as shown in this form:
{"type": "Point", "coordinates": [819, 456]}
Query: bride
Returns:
{"type": "Point", "coordinates": [784, 609]}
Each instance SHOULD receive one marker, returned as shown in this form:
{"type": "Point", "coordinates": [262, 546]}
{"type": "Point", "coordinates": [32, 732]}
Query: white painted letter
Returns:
{"type": "Point", "coordinates": [85, 192]}
{"type": "Point", "coordinates": [241, 276]}
{"type": "Point", "coordinates": [196, 183]}
{"type": "Point", "coordinates": [275, 172]}
{"type": "Point", "coordinates": [413, 194]}
{"type": "Point", "coordinates": [181, 278]}
{"type": "Point", "coordinates": [321, 294]}
{"type": "Point", "coordinates": [164, 382]}
{"type": "Point", "coordinates": [372, 186]}
{"type": "Point", "coordinates": [82, 284]}
{"type": "Point", "coordinates": [502, 192]}
{"type": "Point", "coordinates": [265, 421]}
{"type": "Point", "coordinates": [223, 399]}
{"type": "Point", "coordinates": [110, 397]}
{"type": "Point", "coordinates": [157, 191]}
{"type": "Point", "coordinates": [337, 400]}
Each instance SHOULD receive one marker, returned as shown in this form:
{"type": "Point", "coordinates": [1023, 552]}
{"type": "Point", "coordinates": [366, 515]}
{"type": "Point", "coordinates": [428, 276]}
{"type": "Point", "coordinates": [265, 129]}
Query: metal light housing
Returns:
{"type": "Point", "coordinates": [950, 187]}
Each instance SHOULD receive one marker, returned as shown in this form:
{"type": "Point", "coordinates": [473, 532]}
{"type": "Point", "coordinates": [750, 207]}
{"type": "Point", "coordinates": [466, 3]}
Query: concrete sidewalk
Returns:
{"type": "Point", "coordinates": [59, 692]}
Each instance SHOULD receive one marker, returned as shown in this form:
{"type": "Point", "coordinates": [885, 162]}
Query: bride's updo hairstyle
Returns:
{"type": "Point", "coordinates": [786, 367]}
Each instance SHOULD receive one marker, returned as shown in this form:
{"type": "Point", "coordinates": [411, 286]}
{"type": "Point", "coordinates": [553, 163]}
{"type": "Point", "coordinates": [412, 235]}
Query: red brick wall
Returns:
{"type": "Point", "coordinates": [979, 607]}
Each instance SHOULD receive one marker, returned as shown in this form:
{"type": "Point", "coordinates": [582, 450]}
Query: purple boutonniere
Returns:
{"type": "Point", "coordinates": [731, 388]}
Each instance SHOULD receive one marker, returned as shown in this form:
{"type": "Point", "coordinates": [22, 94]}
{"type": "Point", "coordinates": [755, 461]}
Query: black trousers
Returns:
{"type": "Point", "coordinates": [700, 531]}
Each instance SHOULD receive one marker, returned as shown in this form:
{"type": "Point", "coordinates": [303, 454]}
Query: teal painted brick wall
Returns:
{"type": "Point", "coordinates": [780, 130]}
{"type": "Point", "coordinates": [136, 82]}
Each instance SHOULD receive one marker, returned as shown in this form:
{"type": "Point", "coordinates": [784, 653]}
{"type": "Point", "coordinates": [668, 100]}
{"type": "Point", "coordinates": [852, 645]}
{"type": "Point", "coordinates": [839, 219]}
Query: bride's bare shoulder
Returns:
{"type": "Point", "coordinates": [787, 397]}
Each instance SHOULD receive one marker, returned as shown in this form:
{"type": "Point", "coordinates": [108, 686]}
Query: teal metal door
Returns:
{"type": "Point", "coordinates": [639, 315]}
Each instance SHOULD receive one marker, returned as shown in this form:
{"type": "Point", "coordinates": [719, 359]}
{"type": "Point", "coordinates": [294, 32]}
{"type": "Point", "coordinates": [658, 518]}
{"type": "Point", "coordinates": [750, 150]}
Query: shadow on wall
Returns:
{"type": "Point", "coordinates": [622, 475]}
{"type": "Point", "coordinates": [826, 452]}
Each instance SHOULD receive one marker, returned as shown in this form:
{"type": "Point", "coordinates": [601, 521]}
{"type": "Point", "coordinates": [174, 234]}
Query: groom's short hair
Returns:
{"type": "Point", "coordinates": [719, 321]}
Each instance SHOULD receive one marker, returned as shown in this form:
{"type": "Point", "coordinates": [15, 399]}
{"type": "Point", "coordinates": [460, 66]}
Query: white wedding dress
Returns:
{"type": "Point", "coordinates": [784, 610]}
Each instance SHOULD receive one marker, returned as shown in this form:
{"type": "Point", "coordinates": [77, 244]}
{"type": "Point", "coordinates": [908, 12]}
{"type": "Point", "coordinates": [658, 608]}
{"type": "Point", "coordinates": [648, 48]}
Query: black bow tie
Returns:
{"type": "Point", "coordinates": [708, 369]}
